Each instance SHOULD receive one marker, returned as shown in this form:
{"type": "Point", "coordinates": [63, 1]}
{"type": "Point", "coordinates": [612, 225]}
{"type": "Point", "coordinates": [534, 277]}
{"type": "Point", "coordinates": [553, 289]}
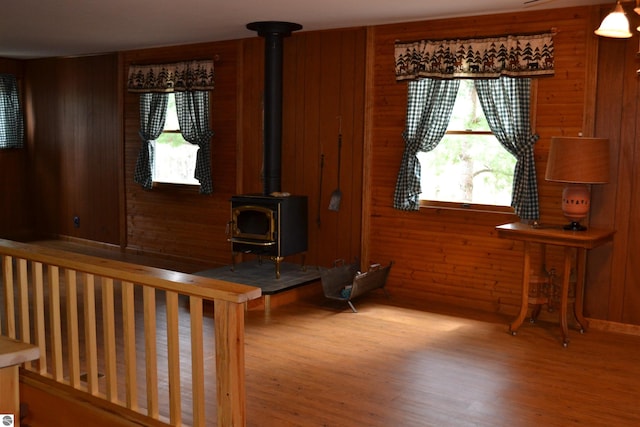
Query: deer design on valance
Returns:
{"type": "Point", "coordinates": [511, 55]}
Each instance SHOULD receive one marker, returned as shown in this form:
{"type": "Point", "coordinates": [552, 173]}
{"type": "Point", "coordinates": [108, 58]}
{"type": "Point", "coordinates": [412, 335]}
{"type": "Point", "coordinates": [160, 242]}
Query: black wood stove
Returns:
{"type": "Point", "coordinates": [273, 223]}
{"type": "Point", "coordinates": [270, 226]}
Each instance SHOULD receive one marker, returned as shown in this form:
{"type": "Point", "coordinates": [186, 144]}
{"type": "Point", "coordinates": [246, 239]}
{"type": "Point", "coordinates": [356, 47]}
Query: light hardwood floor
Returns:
{"type": "Point", "coordinates": [315, 363]}
{"type": "Point", "coordinates": [389, 365]}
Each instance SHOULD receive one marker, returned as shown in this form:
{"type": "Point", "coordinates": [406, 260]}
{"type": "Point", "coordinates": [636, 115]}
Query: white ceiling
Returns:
{"type": "Point", "coordinates": [46, 28]}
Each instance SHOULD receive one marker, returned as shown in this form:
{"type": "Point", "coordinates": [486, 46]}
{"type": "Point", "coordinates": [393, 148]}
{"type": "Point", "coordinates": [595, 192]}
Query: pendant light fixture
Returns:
{"type": "Point", "coordinates": [615, 24]}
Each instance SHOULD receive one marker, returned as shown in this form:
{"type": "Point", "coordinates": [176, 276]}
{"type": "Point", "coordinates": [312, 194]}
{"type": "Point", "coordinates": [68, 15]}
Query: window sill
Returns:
{"type": "Point", "coordinates": [468, 207]}
{"type": "Point", "coordinates": [170, 186]}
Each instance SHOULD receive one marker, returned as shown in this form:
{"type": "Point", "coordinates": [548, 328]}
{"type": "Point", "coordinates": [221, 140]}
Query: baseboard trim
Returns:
{"type": "Point", "coordinates": [609, 326]}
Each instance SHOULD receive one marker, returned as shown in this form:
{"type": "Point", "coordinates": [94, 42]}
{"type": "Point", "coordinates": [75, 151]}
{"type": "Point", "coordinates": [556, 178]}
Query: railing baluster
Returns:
{"type": "Point", "coordinates": [40, 337]}
{"type": "Point", "coordinates": [230, 388]}
{"type": "Point", "coordinates": [9, 301]}
{"type": "Point", "coordinates": [73, 336]}
{"type": "Point", "coordinates": [109, 327]}
{"type": "Point", "coordinates": [90, 339]}
{"type": "Point", "coordinates": [23, 304]}
{"type": "Point", "coordinates": [56, 324]}
{"type": "Point", "coordinates": [197, 361]}
{"type": "Point", "coordinates": [173, 356]}
{"type": "Point", "coordinates": [129, 330]}
{"type": "Point", "coordinates": [151, 351]}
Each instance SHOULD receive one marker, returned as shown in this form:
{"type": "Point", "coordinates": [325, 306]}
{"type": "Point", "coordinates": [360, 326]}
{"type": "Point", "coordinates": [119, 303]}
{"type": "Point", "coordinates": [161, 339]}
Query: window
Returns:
{"type": "Point", "coordinates": [11, 121]}
{"type": "Point", "coordinates": [175, 158]}
{"type": "Point", "coordinates": [469, 165]}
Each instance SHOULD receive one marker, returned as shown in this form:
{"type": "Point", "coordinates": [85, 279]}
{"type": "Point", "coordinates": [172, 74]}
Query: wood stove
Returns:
{"type": "Point", "coordinates": [273, 223]}
{"type": "Point", "coordinates": [270, 226]}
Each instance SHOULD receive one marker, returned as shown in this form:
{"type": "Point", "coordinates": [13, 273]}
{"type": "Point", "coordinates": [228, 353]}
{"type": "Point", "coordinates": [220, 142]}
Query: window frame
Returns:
{"type": "Point", "coordinates": [477, 207]}
{"type": "Point", "coordinates": [167, 184]}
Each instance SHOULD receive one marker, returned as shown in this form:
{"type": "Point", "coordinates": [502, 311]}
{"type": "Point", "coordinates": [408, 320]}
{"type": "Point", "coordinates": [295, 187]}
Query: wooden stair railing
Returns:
{"type": "Point", "coordinates": [45, 292]}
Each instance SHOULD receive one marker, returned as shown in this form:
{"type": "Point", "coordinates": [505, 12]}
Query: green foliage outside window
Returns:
{"type": "Point", "coordinates": [469, 165]}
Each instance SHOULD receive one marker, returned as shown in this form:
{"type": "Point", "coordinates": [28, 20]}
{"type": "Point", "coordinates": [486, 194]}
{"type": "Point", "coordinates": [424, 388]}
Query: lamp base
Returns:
{"type": "Point", "coordinates": [575, 226]}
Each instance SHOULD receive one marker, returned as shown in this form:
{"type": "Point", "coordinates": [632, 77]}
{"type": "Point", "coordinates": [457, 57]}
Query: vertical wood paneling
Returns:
{"type": "Point", "coordinates": [323, 76]}
{"type": "Point", "coordinates": [76, 145]}
{"type": "Point", "coordinates": [613, 294]}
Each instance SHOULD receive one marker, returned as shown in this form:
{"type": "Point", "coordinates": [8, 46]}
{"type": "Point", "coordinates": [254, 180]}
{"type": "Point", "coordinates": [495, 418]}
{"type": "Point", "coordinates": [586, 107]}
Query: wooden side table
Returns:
{"type": "Point", "coordinates": [12, 354]}
{"type": "Point", "coordinates": [556, 235]}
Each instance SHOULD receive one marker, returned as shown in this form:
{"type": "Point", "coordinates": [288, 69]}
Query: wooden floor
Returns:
{"type": "Point", "coordinates": [315, 363]}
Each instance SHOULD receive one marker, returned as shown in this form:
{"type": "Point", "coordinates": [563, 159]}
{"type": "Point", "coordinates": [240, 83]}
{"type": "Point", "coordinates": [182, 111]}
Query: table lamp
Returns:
{"type": "Point", "coordinates": [577, 162]}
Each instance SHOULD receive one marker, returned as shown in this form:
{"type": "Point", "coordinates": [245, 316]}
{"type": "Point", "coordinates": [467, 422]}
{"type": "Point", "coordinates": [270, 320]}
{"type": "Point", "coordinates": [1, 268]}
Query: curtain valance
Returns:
{"type": "Point", "coordinates": [176, 77]}
{"type": "Point", "coordinates": [512, 55]}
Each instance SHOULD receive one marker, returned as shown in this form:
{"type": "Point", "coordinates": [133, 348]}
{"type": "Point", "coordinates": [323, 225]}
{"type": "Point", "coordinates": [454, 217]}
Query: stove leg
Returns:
{"type": "Point", "coordinates": [278, 260]}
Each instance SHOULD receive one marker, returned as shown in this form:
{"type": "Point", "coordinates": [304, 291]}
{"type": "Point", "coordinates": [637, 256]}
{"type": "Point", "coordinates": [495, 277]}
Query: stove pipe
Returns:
{"type": "Point", "coordinates": [273, 33]}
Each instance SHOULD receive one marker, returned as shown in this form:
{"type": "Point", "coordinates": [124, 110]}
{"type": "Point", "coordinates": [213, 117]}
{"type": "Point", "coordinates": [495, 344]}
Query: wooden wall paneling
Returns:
{"type": "Point", "coordinates": [369, 69]}
{"type": "Point", "coordinates": [458, 265]}
{"type": "Point", "coordinates": [321, 83]}
{"type": "Point", "coordinates": [75, 142]}
{"type": "Point", "coordinates": [603, 298]}
{"type": "Point", "coordinates": [301, 146]}
{"type": "Point", "coordinates": [296, 159]}
{"type": "Point", "coordinates": [352, 111]}
{"type": "Point", "coordinates": [330, 113]}
{"type": "Point", "coordinates": [631, 309]}
{"type": "Point", "coordinates": [16, 220]}
{"type": "Point", "coordinates": [177, 221]}
{"type": "Point", "coordinates": [630, 183]}
{"type": "Point", "coordinates": [251, 120]}
{"type": "Point", "coordinates": [44, 157]}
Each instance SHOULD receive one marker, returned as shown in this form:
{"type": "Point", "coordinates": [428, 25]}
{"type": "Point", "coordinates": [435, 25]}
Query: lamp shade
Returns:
{"type": "Point", "coordinates": [615, 24]}
{"type": "Point", "coordinates": [578, 160]}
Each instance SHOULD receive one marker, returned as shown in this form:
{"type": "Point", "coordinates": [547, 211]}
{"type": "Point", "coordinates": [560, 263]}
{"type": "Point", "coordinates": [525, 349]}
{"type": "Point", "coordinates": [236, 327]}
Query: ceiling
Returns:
{"type": "Point", "coordinates": [37, 28]}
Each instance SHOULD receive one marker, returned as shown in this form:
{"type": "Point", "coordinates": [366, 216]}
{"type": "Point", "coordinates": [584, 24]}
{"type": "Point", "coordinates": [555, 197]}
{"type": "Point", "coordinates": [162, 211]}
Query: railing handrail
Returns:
{"type": "Point", "coordinates": [183, 283]}
{"type": "Point", "coordinates": [23, 269]}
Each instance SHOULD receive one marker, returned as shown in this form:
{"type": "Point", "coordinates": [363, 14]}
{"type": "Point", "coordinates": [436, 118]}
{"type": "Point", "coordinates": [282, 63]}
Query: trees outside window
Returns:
{"type": "Point", "coordinates": [469, 165]}
{"type": "Point", "coordinates": [175, 158]}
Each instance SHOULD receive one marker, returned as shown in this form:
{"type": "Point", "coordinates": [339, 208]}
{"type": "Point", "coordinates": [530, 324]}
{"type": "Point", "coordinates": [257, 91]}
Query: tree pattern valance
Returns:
{"type": "Point", "coordinates": [176, 77]}
{"type": "Point", "coordinates": [514, 56]}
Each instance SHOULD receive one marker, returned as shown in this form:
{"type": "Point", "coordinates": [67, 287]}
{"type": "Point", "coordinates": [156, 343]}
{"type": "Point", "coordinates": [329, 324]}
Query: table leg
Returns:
{"type": "Point", "coordinates": [526, 272]}
{"type": "Point", "coordinates": [565, 295]}
{"type": "Point", "coordinates": [578, 307]}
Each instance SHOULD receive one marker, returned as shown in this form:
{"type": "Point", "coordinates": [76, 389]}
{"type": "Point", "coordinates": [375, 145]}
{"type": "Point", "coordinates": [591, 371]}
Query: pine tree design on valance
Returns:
{"type": "Point", "coordinates": [513, 55]}
{"type": "Point", "coordinates": [176, 77]}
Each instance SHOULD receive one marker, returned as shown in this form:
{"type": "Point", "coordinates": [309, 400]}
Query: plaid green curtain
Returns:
{"type": "Point", "coordinates": [505, 102]}
{"type": "Point", "coordinates": [153, 111]}
{"type": "Point", "coordinates": [430, 103]}
{"type": "Point", "coordinates": [11, 120]}
{"type": "Point", "coordinates": [193, 118]}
